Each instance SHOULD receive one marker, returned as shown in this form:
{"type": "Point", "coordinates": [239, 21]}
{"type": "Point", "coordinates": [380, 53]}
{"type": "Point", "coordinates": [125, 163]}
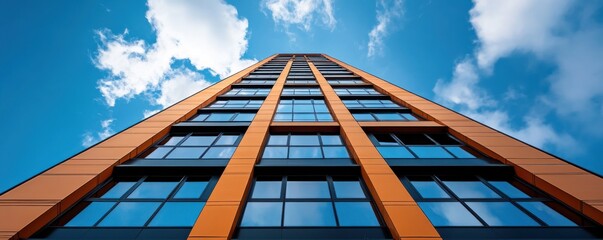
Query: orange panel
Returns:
{"type": "Point", "coordinates": [410, 222]}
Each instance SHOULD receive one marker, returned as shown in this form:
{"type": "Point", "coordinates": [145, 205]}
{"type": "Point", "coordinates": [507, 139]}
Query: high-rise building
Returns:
{"type": "Point", "coordinates": [304, 146]}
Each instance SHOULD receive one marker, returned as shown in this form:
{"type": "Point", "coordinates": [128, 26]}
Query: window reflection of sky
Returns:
{"type": "Point", "coordinates": [471, 189]}
{"type": "Point", "coordinates": [501, 214]}
{"type": "Point", "coordinates": [448, 214]}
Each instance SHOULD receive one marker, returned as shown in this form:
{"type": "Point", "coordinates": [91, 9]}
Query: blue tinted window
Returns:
{"type": "Point", "coordinates": [227, 139]}
{"type": "Point", "coordinates": [471, 189]}
{"type": "Point", "coordinates": [508, 189]}
{"type": "Point", "coordinates": [501, 214]}
{"type": "Point", "coordinates": [459, 152]}
{"type": "Point", "coordinates": [118, 190]}
{"type": "Point", "coordinates": [394, 152]}
{"type": "Point", "coordinates": [129, 214]}
{"type": "Point", "coordinates": [429, 189]}
{"type": "Point", "coordinates": [409, 116]}
{"type": "Point", "coordinates": [187, 152]}
{"type": "Point", "coordinates": [153, 190]}
{"type": "Point", "coordinates": [275, 152]}
{"type": "Point", "coordinates": [305, 152]}
{"type": "Point", "coordinates": [430, 152]}
{"type": "Point", "coordinates": [200, 117]}
{"type": "Point", "coordinates": [283, 117]}
{"type": "Point", "coordinates": [547, 214]}
{"type": "Point", "coordinates": [220, 117]}
{"type": "Point", "coordinates": [303, 117]}
{"type": "Point", "coordinates": [363, 117]}
{"type": "Point", "coordinates": [335, 152]}
{"type": "Point", "coordinates": [262, 214]}
{"type": "Point", "coordinates": [90, 215]}
{"type": "Point", "coordinates": [356, 214]}
{"type": "Point", "coordinates": [304, 140]}
{"type": "Point", "coordinates": [219, 152]}
{"type": "Point", "coordinates": [331, 140]}
{"type": "Point", "coordinates": [277, 140]}
{"type": "Point", "coordinates": [173, 140]}
{"type": "Point", "coordinates": [245, 117]}
{"type": "Point", "coordinates": [301, 214]}
{"type": "Point", "coordinates": [348, 189]}
{"type": "Point", "coordinates": [267, 189]}
{"type": "Point", "coordinates": [199, 141]}
{"type": "Point", "coordinates": [448, 214]}
{"type": "Point", "coordinates": [307, 189]}
{"type": "Point", "coordinates": [191, 190]}
{"type": "Point", "coordinates": [177, 214]}
{"type": "Point", "coordinates": [159, 152]}
{"type": "Point", "coordinates": [389, 117]}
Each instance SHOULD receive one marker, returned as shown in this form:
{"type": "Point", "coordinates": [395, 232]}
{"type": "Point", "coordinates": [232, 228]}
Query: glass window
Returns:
{"type": "Point", "coordinates": [307, 189]}
{"type": "Point", "coordinates": [331, 140]}
{"type": "Point", "coordinates": [389, 117]}
{"type": "Point", "coordinates": [244, 117]}
{"type": "Point", "coordinates": [430, 152]}
{"type": "Point", "coordinates": [118, 190]}
{"type": "Point", "coordinates": [335, 152]}
{"type": "Point", "coordinates": [219, 117]}
{"type": "Point", "coordinates": [187, 152]}
{"type": "Point", "coordinates": [191, 189]}
{"type": "Point", "coordinates": [508, 189]}
{"type": "Point", "coordinates": [356, 214]}
{"type": "Point", "coordinates": [267, 189]}
{"type": "Point", "coordinates": [90, 215]}
{"type": "Point", "coordinates": [304, 140]}
{"type": "Point", "coordinates": [199, 141]}
{"type": "Point", "coordinates": [275, 152]}
{"type": "Point", "coordinates": [130, 214]}
{"type": "Point", "coordinates": [262, 214]}
{"type": "Point", "coordinates": [415, 139]}
{"type": "Point", "coordinates": [305, 152]}
{"type": "Point", "coordinates": [547, 214]}
{"type": "Point", "coordinates": [363, 117]}
{"type": "Point", "coordinates": [305, 146]}
{"type": "Point", "coordinates": [173, 140]}
{"type": "Point", "coordinates": [429, 189]}
{"type": "Point", "coordinates": [159, 152]}
{"type": "Point", "coordinates": [177, 214]}
{"type": "Point", "coordinates": [302, 110]}
{"type": "Point", "coordinates": [448, 214]}
{"type": "Point", "coordinates": [227, 139]}
{"type": "Point", "coordinates": [219, 152]}
{"type": "Point", "coordinates": [348, 189]}
{"type": "Point", "coordinates": [471, 189]}
{"type": "Point", "coordinates": [459, 152]}
{"type": "Point", "coordinates": [394, 152]}
{"type": "Point", "coordinates": [153, 190]}
{"type": "Point", "coordinates": [306, 214]}
{"type": "Point", "coordinates": [501, 214]}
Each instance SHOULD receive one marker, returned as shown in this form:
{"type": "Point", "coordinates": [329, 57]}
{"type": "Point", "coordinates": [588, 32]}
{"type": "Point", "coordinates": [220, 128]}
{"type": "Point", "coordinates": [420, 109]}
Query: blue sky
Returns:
{"type": "Point", "coordinates": [75, 72]}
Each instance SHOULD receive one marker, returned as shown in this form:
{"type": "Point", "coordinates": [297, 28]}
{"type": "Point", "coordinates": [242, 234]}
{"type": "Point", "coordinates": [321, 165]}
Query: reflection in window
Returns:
{"type": "Point", "coordinates": [309, 202]}
{"type": "Point", "coordinates": [306, 146]}
{"type": "Point", "coordinates": [249, 104]}
{"type": "Point", "coordinates": [474, 201]}
{"type": "Point", "coordinates": [196, 146]}
{"type": "Point", "coordinates": [147, 202]}
{"type": "Point", "coordinates": [248, 92]}
{"type": "Point", "coordinates": [301, 91]}
{"type": "Point", "coordinates": [302, 110]}
{"type": "Point", "coordinates": [223, 117]}
{"type": "Point", "coordinates": [356, 91]}
{"type": "Point", "coordinates": [367, 103]}
{"type": "Point", "coordinates": [384, 116]}
{"type": "Point", "coordinates": [432, 146]}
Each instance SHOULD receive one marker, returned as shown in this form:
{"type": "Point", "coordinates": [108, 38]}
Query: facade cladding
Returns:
{"type": "Point", "coordinates": [303, 146]}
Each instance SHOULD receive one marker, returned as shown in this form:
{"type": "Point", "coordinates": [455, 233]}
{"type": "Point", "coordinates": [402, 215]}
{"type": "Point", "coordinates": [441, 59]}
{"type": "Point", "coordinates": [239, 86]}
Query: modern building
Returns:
{"type": "Point", "coordinates": [304, 146]}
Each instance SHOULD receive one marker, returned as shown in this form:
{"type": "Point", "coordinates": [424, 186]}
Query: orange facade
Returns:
{"type": "Point", "coordinates": [30, 206]}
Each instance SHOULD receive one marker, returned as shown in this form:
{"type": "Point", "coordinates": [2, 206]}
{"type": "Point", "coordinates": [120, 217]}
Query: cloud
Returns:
{"type": "Point", "coordinates": [551, 34]}
{"type": "Point", "coordinates": [387, 11]}
{"type": "Point", "coordinates": [180, 85]}
{"type": "Point", "coordinates": [301, 13]}
{"type": "Point", "coordinates": [90, 139]}
{"type": "Point", "coordinates": [209, 34]}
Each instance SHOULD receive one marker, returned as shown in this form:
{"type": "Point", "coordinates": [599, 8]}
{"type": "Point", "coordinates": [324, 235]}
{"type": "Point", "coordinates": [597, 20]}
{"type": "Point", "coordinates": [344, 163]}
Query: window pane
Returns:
{"type": "Point", "coordinates": [459, 152]}
{"type": "Point", "coordinates": [363, 117]}
{"type": "Point", "coordinates": [471, 189]}
{"type": "Point", "coordinates": [356, 214]}
{"type": "Point", "coordinates": [267, 189]}
{"type": "Point", "coordinates": [219, 152]}
{"type": "Point", "coordinates": [324, 117]}
{"type": "Point", "coordinates": [304, 117]}
{"type": "Point", "coordinates": [173, 140]}
{"type": "Point", "coordinates": [448, 214]}
{"type": "Point", "coordinates": [298, 214]}
{"type": "Point", "coordinates": [245, 117]}
{"type": "Point", "coordinates": [385, 139]}
{"type": "Point", "coordinates": [305, 152]}
{"type": "Point", "coordinates": [177, 214]}
{"type": "Point", "coordinates": [219, 117]}
{"type": "Point", "coordinates": [415, 139]}
{"type": "Point", "coordinates": [278, 140]}
{"type": "Point", "coordinates": [275, 152]}
{"type": "Point", "coordinates": [331, 140]}
{"type": "Point", "coordinates": [283, 117]}
{"type": "Point", "coordinates": [187, 152]}
{"type": "Point", "coordinates": [118, 190]}
{"type": "Point", "coordinates": [200, 117]}
{"type": "Point", "coordinates": [129, 214]}
{"type": "Point", "coordinates": [159, 152]}
{"type": "Point", "coordinates": [304, 140]}
{"type": "Point", "coordinates": [409, 116]}
{"type": "Point", "coordinates": [501, 214]}
{"type": "Point", "coordinates": [153, 190]}
{"type": "Point", "coordinates": [191, 190]}
{"type": "Point", "coordinates": [430, 152]}
{"type": "Point", "coordinates": [284, 108]}
{"type": "Point", "coordinates": [335, 152]}
{"type": "Point", "coordinates": [508, 189]}
{"type": "Point", "coordinates": [547, 214]}
{"type": "Point", "coordinates": [262, 214]}
{"type": "Point", "coordinates": [348, 189]}
{"type": "Point", "coordinates": [394, 152]}
{"type": "Point", "coordinates": [198, 141]}
{"type": "Point", "coordinates": [429, 189]}
{"type": "Point", "coordinates": [389, 117]}
{"type": "Point", "coordinates": [90, 215]}
{"type": "Point", "coordinates": [444, 139]}
{"type": "Point", "coordinates": [307, 189]}
{"type": "Point", "coordinates": [227, 139]}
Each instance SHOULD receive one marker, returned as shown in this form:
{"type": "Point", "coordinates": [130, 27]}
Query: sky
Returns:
{"type": "Point", "coordinates": [75, 72]}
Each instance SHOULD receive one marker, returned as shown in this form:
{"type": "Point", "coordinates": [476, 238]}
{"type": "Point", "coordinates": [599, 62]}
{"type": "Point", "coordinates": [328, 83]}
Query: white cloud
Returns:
{"type": "Point", "coordinates": [180, 85]}
{"type": "Point", "coordinates": [207, 33]}
{"type": "Point", "coordinates": [90, 139]}
{"type": "Point", "coordinates": [387, 11]}
{"type": "Point", "coordinates": [301, 13]}
{"type": "Point", "coordinates": [506, 27]}
{"type": "Point", "coordinates": [148, 113]}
